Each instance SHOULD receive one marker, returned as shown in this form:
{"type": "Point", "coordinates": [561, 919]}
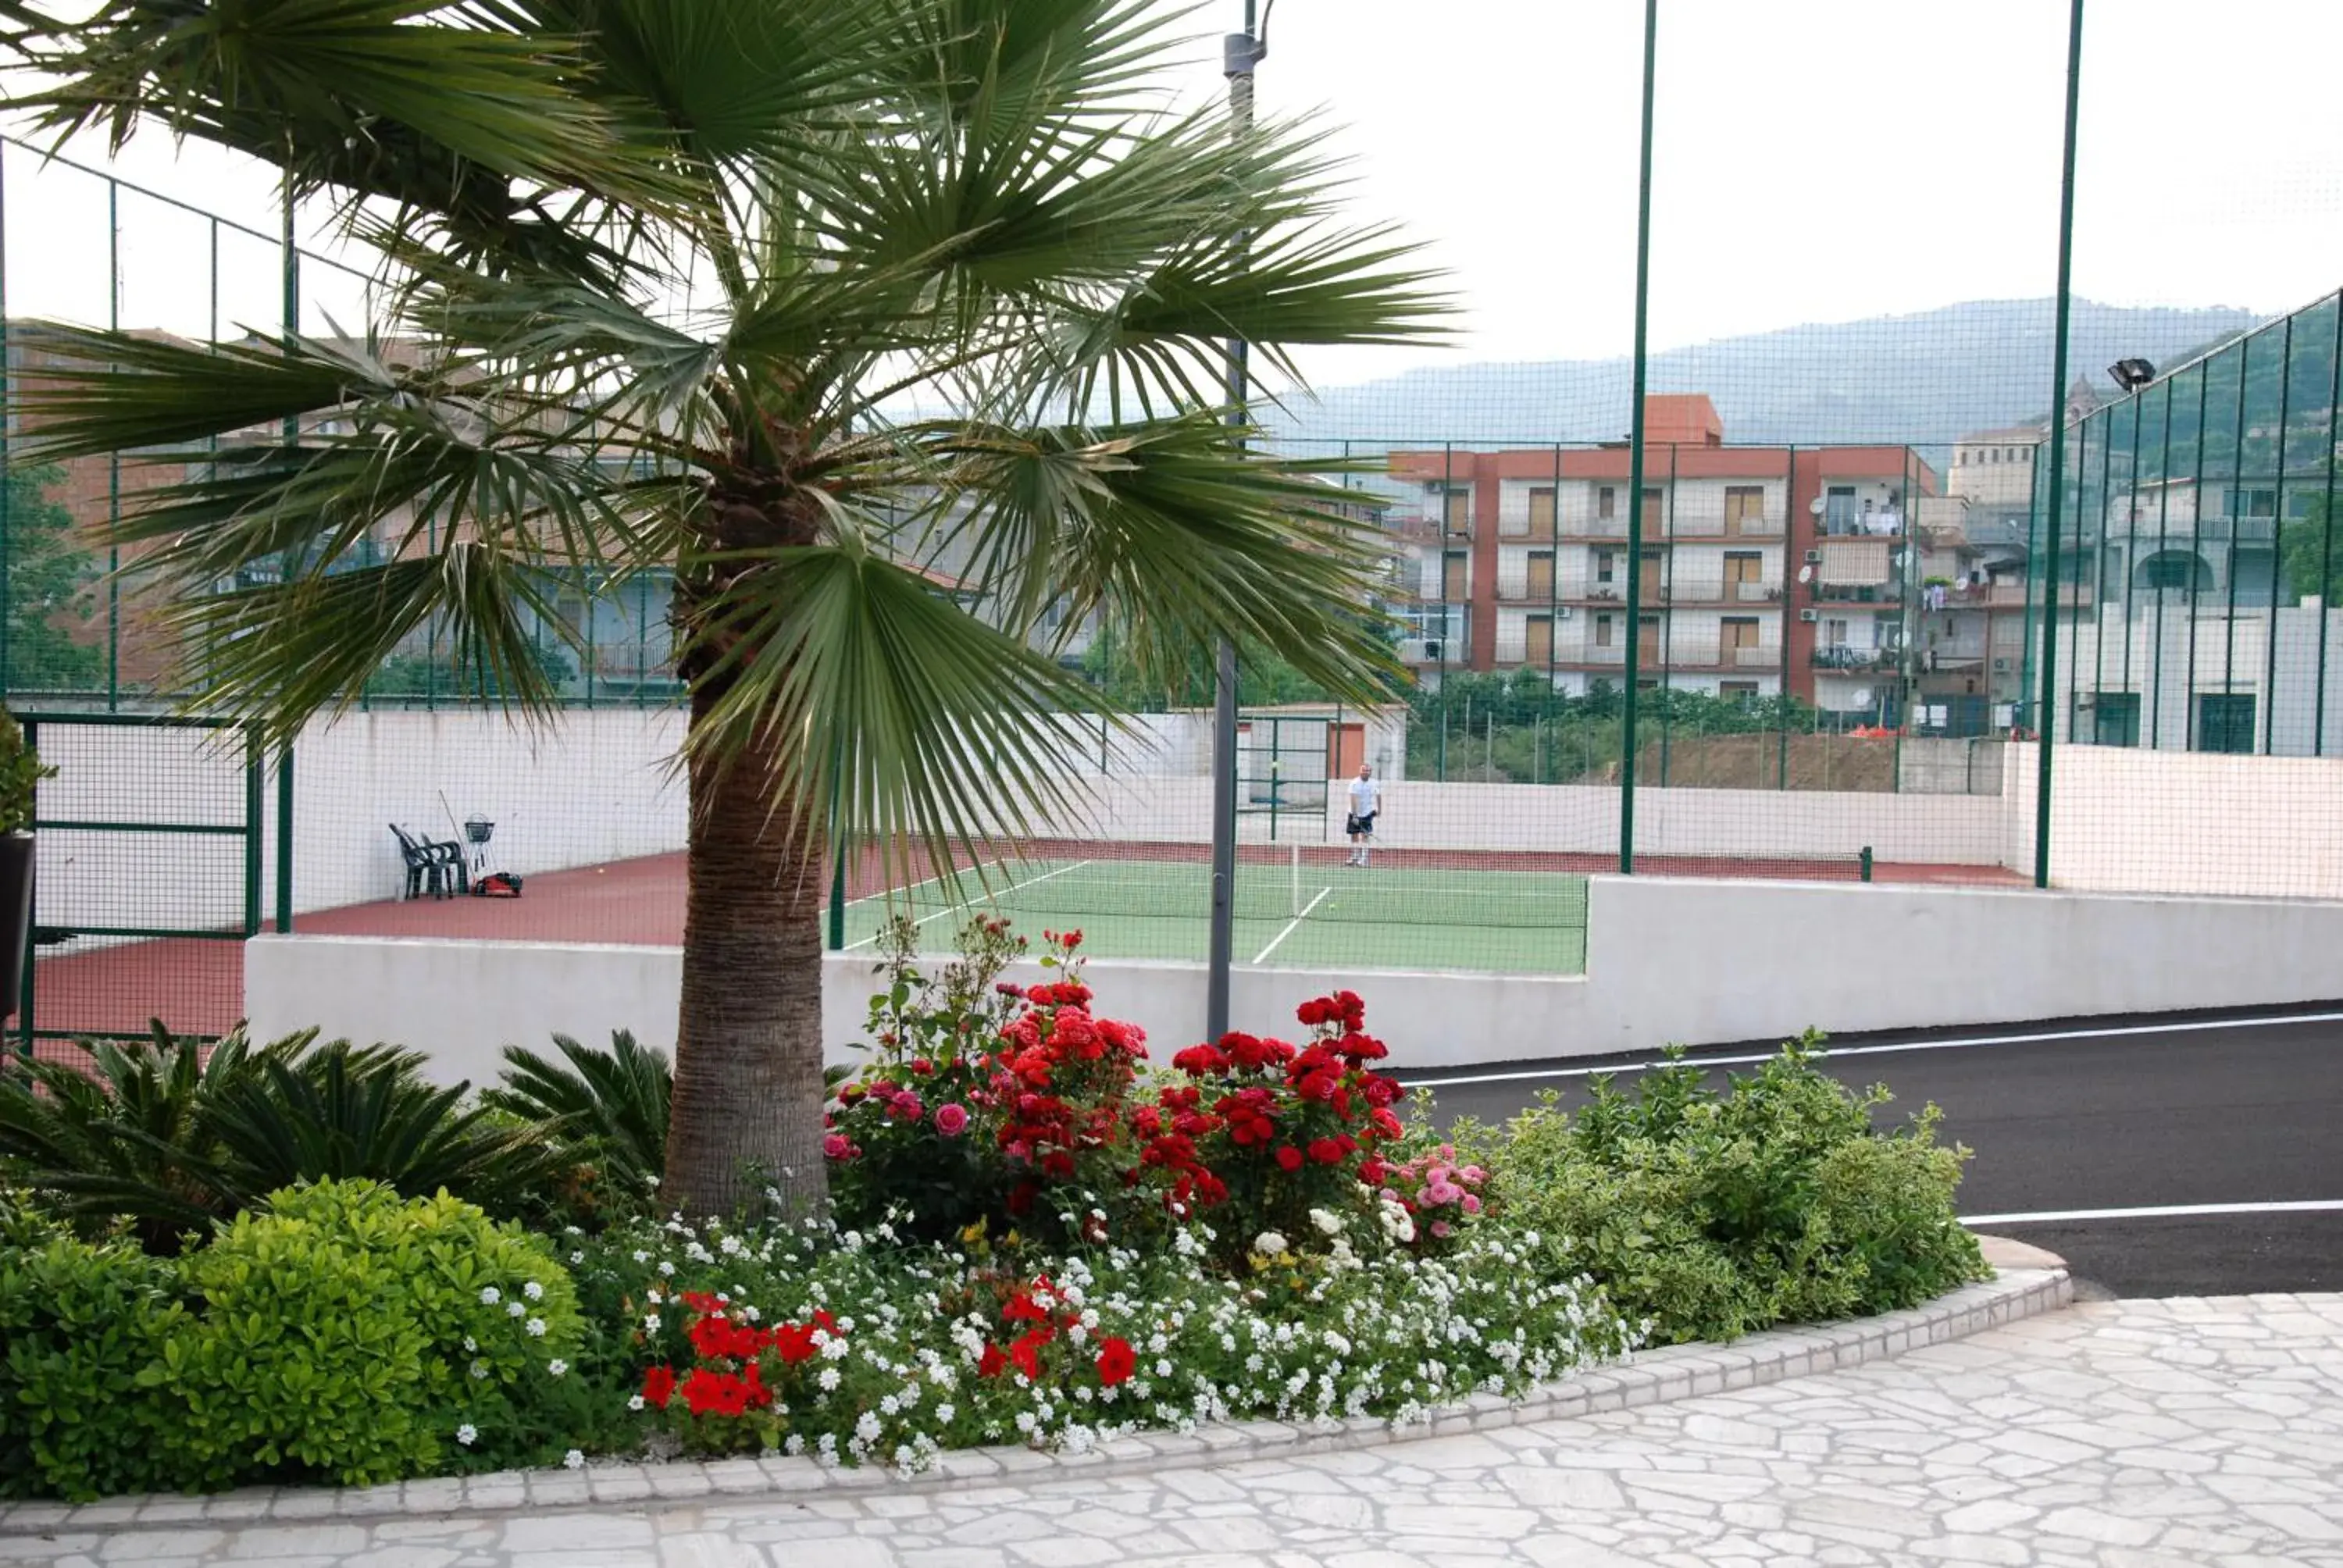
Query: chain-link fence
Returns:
{"type": "Point", "coordinates": [1855, 617]}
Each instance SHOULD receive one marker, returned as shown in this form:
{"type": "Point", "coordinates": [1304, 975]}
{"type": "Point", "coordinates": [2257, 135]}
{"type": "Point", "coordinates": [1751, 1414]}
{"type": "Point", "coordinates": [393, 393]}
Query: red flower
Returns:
{"type": "Point", "coordinates": [794, 1343]}
{"type": "Point", "coordinates": [1115, 1362]}
{"type": "Point", "coordinates": [1027, 1351]}
{"type": "Point", "coordinates": [1324, 1151]}
{"type": "Point", "coordinates": [1289, 1157]}
{"type": "Point", "coordinates": [658, 1386]}
{"type": "Point", "coordinates": [991, 1363]}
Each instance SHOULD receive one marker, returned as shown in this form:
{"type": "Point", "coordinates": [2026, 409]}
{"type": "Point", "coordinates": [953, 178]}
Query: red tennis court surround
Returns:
{"type": "Point", "coordinates": [196, 985]}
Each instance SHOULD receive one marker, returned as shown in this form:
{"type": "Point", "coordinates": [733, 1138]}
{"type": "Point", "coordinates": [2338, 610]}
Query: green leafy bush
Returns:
{"type": "Point", "coordinates": [344, 1334]}
{"type": "Point", "coordinates": [1713, 1214]}
{"type": "Point", "coordinates": [80, 1326]}
{"type": "Point", "coordinates": [173, 1136]}
{"type": "Point", "coordinates": [20, 775]}
{"type": "Point", "coordinates": [605, 1114]}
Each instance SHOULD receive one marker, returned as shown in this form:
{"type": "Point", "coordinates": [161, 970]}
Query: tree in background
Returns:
{"type": "Point", "coordinates": [49, 575]}
{"type": "Point", "coordinates": [2313, 563]}
{"type": "Point", "coordinates": [906, 228]}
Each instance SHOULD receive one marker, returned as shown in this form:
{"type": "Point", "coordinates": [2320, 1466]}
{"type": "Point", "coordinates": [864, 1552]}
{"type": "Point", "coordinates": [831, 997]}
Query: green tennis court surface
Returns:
{"type": "Point", "coordinates": [1295, 916]}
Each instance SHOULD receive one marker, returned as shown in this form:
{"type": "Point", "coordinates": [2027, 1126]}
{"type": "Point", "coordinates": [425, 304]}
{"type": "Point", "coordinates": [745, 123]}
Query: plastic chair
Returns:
{"type": "Point", "coordinates": [437, 869]}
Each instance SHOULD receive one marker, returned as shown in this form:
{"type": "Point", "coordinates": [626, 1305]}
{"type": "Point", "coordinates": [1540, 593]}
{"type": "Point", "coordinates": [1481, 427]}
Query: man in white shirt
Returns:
{"type": "Point", "coordinates": [1366, 801]}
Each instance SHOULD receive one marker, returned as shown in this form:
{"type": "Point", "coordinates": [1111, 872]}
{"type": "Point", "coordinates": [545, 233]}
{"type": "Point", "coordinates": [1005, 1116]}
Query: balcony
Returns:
{"type": "Point", "coordinates": [1756, 593]}
{"type": "Point", "coordinates": [1853, 661]}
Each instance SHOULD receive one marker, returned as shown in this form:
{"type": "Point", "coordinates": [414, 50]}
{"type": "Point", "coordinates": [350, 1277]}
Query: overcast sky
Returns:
{"type": "Point", "coordinates": [1816, 160]}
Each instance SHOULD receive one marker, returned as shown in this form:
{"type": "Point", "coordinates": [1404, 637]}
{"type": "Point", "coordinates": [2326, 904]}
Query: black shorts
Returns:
{"type": "Point", "coordinates": [1355, 823]}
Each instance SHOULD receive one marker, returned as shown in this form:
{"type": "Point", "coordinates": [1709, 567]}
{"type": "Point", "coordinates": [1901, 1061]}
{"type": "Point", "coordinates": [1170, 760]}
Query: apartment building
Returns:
{"type": "Point", "coordinates": [1760, 569]}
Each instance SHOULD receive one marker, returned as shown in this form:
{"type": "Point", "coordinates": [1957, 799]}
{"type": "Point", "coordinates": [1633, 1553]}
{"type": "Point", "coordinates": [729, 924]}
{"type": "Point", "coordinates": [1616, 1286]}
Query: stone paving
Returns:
{"type": "Point", "coordinates": [2128, 1434]}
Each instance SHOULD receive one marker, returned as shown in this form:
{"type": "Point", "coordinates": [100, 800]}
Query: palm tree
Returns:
{"type": "Point", "coordinates": [794, 298]}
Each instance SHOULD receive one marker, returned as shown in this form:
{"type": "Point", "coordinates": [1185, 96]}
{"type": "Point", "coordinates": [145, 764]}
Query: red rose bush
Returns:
{"type": "Point", "coordinates": [1038, 1236]}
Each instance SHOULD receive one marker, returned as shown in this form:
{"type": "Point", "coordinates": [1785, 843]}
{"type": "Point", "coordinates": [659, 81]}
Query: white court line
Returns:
{"type": "Point", "coordinates": [956, 908]}
{"type": "Point", "coordinates": [2170, 1210]}
{"type": "Point", "coordinates": [2196, 1027]}
{"type": "Point", "coordinates": [1291, 924]}
{"type": "Point", "coordinates": [890, 893]}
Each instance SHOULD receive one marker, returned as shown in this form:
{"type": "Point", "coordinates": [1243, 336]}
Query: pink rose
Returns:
{"type": "Point", "coordinates": [951, 1121]}
{"type": "Point", "coordinates": [836, 1146]}
{"type": "Point", "coordinates": [1443, 1229]}
{"type": "Point", "coordinates": [1472, 1204]}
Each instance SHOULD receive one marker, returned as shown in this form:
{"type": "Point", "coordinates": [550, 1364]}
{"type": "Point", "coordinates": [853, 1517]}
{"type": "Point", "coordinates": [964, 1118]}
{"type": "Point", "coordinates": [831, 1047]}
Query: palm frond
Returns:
{"type": "Point", "coordinates": [924, 725]}
{"type": "Point", "coordinates": [1180, 531]}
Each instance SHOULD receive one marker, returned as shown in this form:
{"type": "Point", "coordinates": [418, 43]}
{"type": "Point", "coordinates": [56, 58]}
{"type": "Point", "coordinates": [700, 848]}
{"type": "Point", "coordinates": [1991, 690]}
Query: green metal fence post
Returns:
{"type": "Point", "coordinates": [2278, 527]}
{"type": "Point", "coordinates": [2058, 445]}
{"type": "Point", "coordinates": [1635, 452]}
{"type": "Point", "coordinates": [254, 806]}
{"type": "Point", "coordinates": [2327, 536]}
{"type": "Point", "coordinates": [112, 461]}
{"type": "Point", "coordinates": [32, 927]}
{"type": "Point", "coordinates": [2163, 539]}
{"type": "Point", "coordinates": [284, 838]}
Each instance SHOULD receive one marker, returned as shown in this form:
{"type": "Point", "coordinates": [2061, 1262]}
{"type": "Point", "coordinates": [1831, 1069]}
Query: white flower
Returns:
{"type": "Point", "coordinates": [827, 1379]}
{"type": "Point", "coordinates": [536, 1327]}
{"type": "Point", "coordinates": [480, 1370]}
{"type": "Point", "coordinates": [1269, 1244]}
{"type": "Point", "coordinates": [636, 1403]}
{"type": "Point", "coordinates": [516, 1310]}
{"type": "Point", "coordinates": [533, 1291]}
{"type": "Point", "coordinates": [944, 1412]}
{"type": "Point", "coordinates": [650, 1322]}
{"type": "Point", "coordinates": [1328, 1224]}
{"type": "Point", "coordinates": [866, 1427]}
{"type": "Point", "coordinates": [666, 1267]}
{"type": "Point", "coordinates": [469, 1344]}
{"type": "Point", "coordinates": [574, 1460]}
{"type": "Point", "coordinates": [466, 1434]}
{"type": "Point", "coordinates": [555, 1367]}
{"type": "Point", "coordinates": [490, 1295]}
{"type": "Point", "coordinates": [576, 1259]}
{"type": "Point", "coordinates": [642, 1257]}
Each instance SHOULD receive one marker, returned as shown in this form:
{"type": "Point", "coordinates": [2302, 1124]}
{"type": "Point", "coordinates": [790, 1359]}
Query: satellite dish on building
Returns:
{"type": "Point", "coordinates": [1863, 697]}
{"type": "Point", "coordinates": [1806, 573]}
{"type": "Point", "coordinates": [1815, 506]}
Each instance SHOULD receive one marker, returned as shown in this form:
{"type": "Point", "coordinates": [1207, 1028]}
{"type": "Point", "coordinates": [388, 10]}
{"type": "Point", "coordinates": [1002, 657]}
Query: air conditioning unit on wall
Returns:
{"type": "Point", "coordinates": [1809, 616]}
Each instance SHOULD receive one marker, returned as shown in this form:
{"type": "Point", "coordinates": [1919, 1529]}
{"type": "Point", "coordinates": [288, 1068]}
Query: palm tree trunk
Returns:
{"type": "Point", "coordinates": [749, 1091]}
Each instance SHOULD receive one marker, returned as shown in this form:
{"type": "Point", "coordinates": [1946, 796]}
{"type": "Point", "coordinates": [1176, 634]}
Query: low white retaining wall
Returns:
{"type": "Point", "coordinates": [1693, 961]}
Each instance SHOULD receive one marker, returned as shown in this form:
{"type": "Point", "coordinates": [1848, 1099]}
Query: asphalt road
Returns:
{"type": "Point", "coordinates": [2135, 1115]}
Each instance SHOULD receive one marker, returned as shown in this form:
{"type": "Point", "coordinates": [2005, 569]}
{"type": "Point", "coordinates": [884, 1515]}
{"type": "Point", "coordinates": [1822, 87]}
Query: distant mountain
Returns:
{"type": "Point", "coordinates": [1924, 380]}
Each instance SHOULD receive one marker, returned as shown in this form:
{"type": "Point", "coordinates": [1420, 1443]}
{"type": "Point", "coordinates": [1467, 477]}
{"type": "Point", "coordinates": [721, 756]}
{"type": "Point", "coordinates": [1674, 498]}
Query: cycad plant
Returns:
{"type": "Point", "coordinates": [808, 302]}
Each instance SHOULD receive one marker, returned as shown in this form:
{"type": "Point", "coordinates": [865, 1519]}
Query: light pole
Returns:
{"type": "Point", "coordinates": [1239, 53]}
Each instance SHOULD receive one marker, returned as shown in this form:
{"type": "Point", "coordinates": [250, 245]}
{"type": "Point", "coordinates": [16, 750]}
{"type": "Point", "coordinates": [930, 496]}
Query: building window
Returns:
{"type": "Point", "coordinates": [1744, 505]}
{"type": "Point", "coordinates": [2224, 722]}
{"type": "Point", "coordinates": [1541, 511]}
{"type": "Point", "coordinates": [1602, 632]}
{"type": "Point", "coordinates": [1606, 502]}
{"type": "Point", "coordinates": [1605, 564]}
{"type": "Point", "coordinates": [1741, 691]}
{"type": "Point", "coordinates": [1835, 634]}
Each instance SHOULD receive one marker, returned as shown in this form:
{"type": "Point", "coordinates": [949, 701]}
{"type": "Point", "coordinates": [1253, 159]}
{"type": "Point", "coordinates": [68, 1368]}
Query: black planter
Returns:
{"type": "Point", "coordinates": [15, 916]}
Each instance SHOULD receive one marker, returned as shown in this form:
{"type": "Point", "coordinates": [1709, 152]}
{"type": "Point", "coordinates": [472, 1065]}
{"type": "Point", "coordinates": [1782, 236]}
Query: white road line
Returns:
{"type": "Point", "coordinates": [2170, 1210]}
{"type": "Point", "coordinates": [885, 894]}
{"type": "Point", "coordinates": [956, 909]}
{"type": "Point", "coordinates": [2195, 1027]}
{"type": "Point", "coordinates": [1291, 924]}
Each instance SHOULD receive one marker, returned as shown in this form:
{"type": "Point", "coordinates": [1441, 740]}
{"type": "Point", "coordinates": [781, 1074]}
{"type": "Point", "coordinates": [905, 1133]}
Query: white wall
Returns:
{"type": "Point", "coordinates": [2192, 822]}
{"type": "Point", "coordinates": [1668, 960]}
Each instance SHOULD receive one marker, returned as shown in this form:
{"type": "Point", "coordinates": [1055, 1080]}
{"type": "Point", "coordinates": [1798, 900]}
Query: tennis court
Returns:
{"type": "Point", "coordinates": [1296, 910]}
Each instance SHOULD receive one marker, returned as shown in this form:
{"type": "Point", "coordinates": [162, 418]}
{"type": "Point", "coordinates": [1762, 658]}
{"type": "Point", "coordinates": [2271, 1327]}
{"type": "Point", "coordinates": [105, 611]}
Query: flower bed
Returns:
{"type": "Point", "coordinates": [1037, 1236]}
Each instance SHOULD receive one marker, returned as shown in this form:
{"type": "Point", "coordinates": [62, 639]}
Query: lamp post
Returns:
{"type": "Point", "coordinates": [1239, 53]}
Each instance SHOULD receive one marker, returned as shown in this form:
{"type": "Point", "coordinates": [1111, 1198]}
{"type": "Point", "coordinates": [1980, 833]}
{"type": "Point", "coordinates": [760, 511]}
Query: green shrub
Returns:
{"type": "Point", "coordinates": [344, 1334]}
{"type": "Point", "coordinates": [348, 1335]}
{"type": "Point", "coordinates": [80, 1325]}
{"type": "Point", "coordinates": [605, 1114]}
{"type": "Point", "coordinates": [172, 1136]}
{"type": "Point", "coordinates": [1712, 1215]}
